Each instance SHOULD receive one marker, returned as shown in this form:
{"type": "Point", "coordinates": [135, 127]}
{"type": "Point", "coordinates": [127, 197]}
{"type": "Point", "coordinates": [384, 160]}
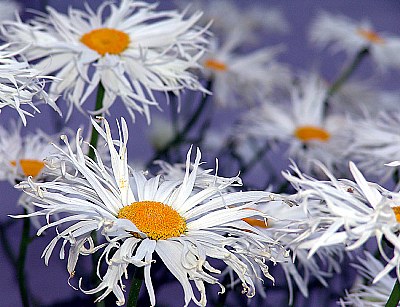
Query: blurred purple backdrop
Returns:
{"type": "Point", "coordinates": [49, 284]}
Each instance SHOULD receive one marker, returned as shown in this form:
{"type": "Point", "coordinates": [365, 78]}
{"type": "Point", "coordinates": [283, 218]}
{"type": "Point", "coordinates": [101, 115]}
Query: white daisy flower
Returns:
{"type": "Point", "coordinates": [23, 156]}
{"type": "Point", "coordinates": [346, 212]}
{"type": "Point", "coordinates": [132, 52]}
{"type": "Point", "coordinates": [345, 34]}
{"type": "Point", "coordinates": [367, 294]}
{"type": "Point", "coordinates": [239, 79]}
{"type": "Point", "coordinates": [376, 141]}
{"type": "Point", "coordinates": [303, 125]}
{"type": "Point", "coordinates": [21, 85]}
{"type": "Point", "coordinates": [138, 216]}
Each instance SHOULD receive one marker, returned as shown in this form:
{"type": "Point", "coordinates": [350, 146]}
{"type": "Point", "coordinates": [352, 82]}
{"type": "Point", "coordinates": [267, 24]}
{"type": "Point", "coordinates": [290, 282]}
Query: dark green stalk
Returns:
{"type": "Point", "coordinates": [23, 248]}
{"type": "Point", "coordinates": [136, 284]}
{"type": "Point", "coordinates": [255, 159]}
{"type": "Point", "coordinates": [6, 244]}
{"type": "Point", "coordinates": [346, 73]}
{"type": "Point", "coordinates": [91, 154]}
{"type": "Point", "coordinates": [95, 135]}
{"type": "Point", "coordinates": [394, 297]}
{"type": "Point", "coordinates": [181, 135]}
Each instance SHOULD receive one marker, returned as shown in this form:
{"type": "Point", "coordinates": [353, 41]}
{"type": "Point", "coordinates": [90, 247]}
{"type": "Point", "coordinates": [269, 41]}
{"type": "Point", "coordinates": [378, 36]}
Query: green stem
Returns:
{"type": "Point", "coordinates": [137, 282]}
{"type": "Point", "coordinates": [23, 248]}
{"type": "Point", "coordinates": [346, 73]}
{"type": "Point", "coordinates": [181, 135]}
{"type": "Point", "coordinates": [91, 154]}
{"type": "Point", "coordinates": [394, 297]}
{"type": "Point", "coordinates": [95, 135]}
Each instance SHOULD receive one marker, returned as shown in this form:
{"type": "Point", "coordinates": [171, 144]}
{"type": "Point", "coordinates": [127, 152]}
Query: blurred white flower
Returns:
{"type": "Point", "coordinates": [345, 34]}
{"type": "Point", "coordinates": [302, 124]}
{"type": "Point", "coordinates": [9, 9]}
{"type": "Point", "coordinates": [132, 53]}
{"type": "Point", "coordinates": [21, 85]}
{"type": "Point", "coordinates": [138, 216]}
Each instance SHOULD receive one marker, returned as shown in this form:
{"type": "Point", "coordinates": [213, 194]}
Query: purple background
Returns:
{"type": "Point", "coordinates": [49, 284]}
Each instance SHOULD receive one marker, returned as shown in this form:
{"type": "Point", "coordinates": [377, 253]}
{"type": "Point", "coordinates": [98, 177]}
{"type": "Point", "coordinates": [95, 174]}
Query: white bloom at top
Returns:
{"type": "Point", "coordinates": [240, 79]}
{"type": "Point", "coordinates": [345, 34]}
{"type": "Point", "coordinates": [366, 294]}
{"type": "Point", "coordinates": [376, 141]}
{"type": "Point", "coordinates": [21, 85]}
{"type": "Point", "coordinates": [303, 125]}
{"type": "Point", "coordinates": [138, 216]}
{"type": "Point", "coordinates": [347, 212]}
{"type": "Point", "coordinates": [132, 52]}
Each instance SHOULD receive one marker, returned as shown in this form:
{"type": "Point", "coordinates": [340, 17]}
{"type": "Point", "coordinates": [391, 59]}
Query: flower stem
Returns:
{"type": "Point", "coordinates": [394, 297]}
{"type": "Point", "coordinates": [23, 248]}
{"type": "Point", "coordinates": [95, 135]}
{"type": "Point", "coordinates": [181, 135]}
{"type": "Point", "coordinates": [137, 282]}
{"type": "Point", "coordinates": [91, 154]}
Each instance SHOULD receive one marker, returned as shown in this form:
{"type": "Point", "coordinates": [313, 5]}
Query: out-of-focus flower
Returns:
{"type": "Point", "coordinates": [138, 216]}
{"type": "Point", "coordinates": [21, 85]}
{"type": "Point", "coordinates": [132, 53]}
{"type": "Point", "coordinates": [23, 156]}
{"type": "Point", "coordinates": [303, 125]}
{"type": "Point", "coordinates": [242, 79]}
{"type": "Point", "coordinates": [345, 34]}
{"type": "Point", "coordinates": [376, 142]}
{"type": "Point", "coordinates": [369, 294]}
{"type": "Point", "coordinates": [349, 213]}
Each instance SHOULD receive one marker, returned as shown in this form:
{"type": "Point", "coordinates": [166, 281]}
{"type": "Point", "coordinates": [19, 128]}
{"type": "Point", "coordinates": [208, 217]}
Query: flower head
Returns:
{"type": "Point", "coordinates": [132, 52]}
{"type": "Point", "coordinates": [138, 216]}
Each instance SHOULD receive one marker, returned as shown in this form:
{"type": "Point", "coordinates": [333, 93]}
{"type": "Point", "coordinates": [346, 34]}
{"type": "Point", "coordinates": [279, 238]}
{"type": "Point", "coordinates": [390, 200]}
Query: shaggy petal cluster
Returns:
{"type": "Point", "coordinates": [21, 85]}
{"type": "Point", "coordinates": [132, 52]}
{"type": "Point", "coordinates": [122, 206]}
{"type": "Point", "coordinates": [368, 294]}
{"type": "Point", "coordinates": [345, 34]}
{"type": "Point", "coordinates": [349, 213]}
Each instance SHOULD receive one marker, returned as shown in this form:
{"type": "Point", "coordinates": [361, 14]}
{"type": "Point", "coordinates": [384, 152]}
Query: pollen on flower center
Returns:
{"type": "Point", "coordinates": [29, 167]}
{"type": "Point", "coordinates": [309, 133]}
{"type": "Point", "coordinates": [396, 211]}
{"type": "Point", "coordinates": [371, 36]}
{"type": "Point", "coordinates": [105, 40]}
{"type": "Point", "coordinates": [157, 220]}
{"type": "Point", "coordinates": [215, 65]}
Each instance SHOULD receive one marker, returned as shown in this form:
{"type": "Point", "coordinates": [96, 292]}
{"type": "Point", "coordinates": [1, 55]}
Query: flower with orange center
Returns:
{"type": "Point", "coordinates": [215, 65]}
{"type": "Point", "coordinates": [29, 167]}
{"type": "Point", "coordinates": [157, 220]}
{"type": "Point", "coordinates": [396, 211]}
{"type": "Point", "coordinates": [371, 36]}
{"type": "Point", "coordinates": [311, 133]}
{"type": "Point", "coordinates": [106, 40]}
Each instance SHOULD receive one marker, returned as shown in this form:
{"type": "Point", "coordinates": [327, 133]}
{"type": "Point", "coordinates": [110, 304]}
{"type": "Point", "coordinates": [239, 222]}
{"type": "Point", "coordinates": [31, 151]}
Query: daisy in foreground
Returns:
{"type": "Point", "coordinates": [131, 53]}
{"type": "Point", "coordinates": [137, 216]}
{"type": "Point", "coordinates": [21, 85]}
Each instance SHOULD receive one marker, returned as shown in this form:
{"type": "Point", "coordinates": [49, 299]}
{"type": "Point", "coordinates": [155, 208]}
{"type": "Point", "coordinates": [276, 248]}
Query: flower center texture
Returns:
{"type": "Point", "coordinates": [215, 65]}
{"type": "Point", "coordinates": [30, 167]}
{"type": "Point", "coordinates": [396, 211]}
{"type": "Point", "coordinates": [310, 133]}
{"type": "Point", "coordinates": [157, 220]}
{"type": "Point", "coordinates": [255, 223]}
{"type": "Point", "coordinates": [105, 40]}
{"type": "Point", "coordinates": [371, 36]}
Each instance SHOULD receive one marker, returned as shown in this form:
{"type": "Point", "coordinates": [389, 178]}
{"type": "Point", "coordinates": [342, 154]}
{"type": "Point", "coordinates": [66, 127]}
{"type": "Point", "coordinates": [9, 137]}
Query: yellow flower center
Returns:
{"type": "Point", "coordinates": [396, 211]}
{"type": "Point", "coordinates": [30, 167]}
{"type": "Point", "coordinates": [105, 40]}
{"type": "Point", "coordinates": [255, 222]}
{"type": "Point", "coordinates": [157, 220]}
{"type": "Point", "coordinates": [309, 133]}
{"type": "Point", "coordinates": [371, 36]}
{"type": "Point", "coordinates": [215, 65]}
